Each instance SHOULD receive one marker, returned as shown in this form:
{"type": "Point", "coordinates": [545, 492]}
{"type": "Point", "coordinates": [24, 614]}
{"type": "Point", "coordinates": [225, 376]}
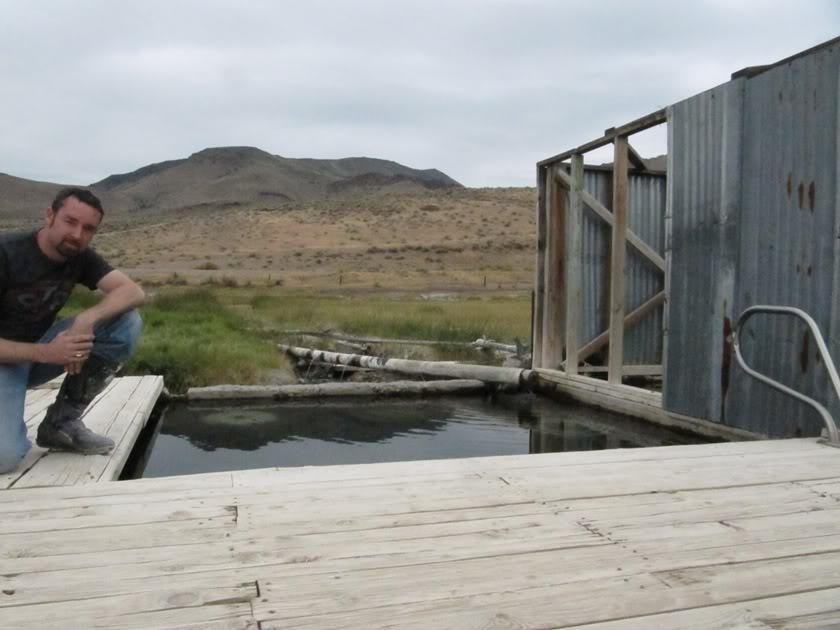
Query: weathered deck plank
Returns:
{"type": "Point", "coordinates": [717, 535]}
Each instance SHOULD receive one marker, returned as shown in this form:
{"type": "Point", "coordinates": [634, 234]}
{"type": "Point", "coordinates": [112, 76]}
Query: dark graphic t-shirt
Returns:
{"type": "Point", "coordinates": [34, 288]}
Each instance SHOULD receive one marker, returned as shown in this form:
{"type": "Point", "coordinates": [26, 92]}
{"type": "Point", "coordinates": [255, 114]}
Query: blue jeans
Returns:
{"type": "Point", "coordinates": [115, 341]}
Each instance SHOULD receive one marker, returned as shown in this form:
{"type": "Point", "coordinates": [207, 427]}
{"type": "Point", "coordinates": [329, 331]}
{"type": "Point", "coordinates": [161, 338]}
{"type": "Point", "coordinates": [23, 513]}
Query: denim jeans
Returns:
{"type": "Point", "coordinates": [115, 340]}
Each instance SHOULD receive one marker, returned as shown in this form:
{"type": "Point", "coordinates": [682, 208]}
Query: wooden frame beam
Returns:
{"type": "Point", "coordinates": [636, 160]}
{"type": "Point", "coordinates": [574, 256]}
{"type": "Point", "coordinates": [640, 124]}
{"type": "Point", "coordinates": [618, 258]}
{"type": "Point", "coordinates": [627, 370]}
{"type": "Point", "coordinates": [633, 401]}
{"type": "Point", "coordinates": [607, 168]}
{"type": "Point", "coordinates": [634, 239]}
{"type": "Point", "coordinates": [631, 320]}
{"type": "Point", "coordinates": [538, 306]}
{"type": "Point", "coordinates": [554, 314]}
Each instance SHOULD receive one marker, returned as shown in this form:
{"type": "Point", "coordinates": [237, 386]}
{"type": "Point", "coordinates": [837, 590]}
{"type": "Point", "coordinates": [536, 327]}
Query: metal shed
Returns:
{"type": "Point", "coordinates": [747, 213]}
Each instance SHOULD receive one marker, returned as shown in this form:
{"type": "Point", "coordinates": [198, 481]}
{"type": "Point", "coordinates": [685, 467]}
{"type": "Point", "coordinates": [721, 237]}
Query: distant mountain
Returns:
{"type": "Point", "coordinates": [26, 199]}
{"type": "Point", "coordinates": [230, 176]}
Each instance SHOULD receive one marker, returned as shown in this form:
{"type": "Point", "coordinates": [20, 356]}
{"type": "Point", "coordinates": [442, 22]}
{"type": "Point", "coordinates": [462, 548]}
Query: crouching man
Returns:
{"type": "Point", "coordinates": [38, 271]}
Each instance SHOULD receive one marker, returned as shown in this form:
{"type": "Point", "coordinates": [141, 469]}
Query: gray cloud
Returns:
{"type": "Point", "coordinates": [481, 89]}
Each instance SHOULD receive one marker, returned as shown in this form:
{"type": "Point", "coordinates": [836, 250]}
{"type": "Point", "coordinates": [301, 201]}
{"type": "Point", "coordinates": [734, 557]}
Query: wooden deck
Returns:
{"type": "Point", "coordinates": [120, 412]}
{"type": "Point", "coordinates": [709, 536]}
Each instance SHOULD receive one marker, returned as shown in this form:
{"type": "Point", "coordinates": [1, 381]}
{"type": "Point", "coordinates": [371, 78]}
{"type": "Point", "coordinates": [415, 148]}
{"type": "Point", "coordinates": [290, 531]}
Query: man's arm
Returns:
{"type": "Point", "coordinates": [17, 352]}
{"type": "Point", "coordinates": [61, 350]}
{"type": "Point", "coordinates": [121, 294]}
{"type": "Point", "coordinates": [73, 346]}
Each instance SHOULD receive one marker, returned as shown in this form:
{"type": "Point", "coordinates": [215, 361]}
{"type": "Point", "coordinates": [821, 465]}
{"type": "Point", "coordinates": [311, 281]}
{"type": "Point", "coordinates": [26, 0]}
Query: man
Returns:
{"type": "Point", "coordinates": [38, 271]}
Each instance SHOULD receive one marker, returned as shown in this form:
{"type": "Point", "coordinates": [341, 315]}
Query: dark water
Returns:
{"type": "Point", "coordinates": [207, 438]}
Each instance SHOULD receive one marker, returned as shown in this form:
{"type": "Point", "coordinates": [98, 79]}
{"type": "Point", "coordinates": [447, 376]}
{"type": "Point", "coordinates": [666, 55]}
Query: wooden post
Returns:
{"type": "Point", "coordinates": [617, 259]}
{"type": "Point", "coordinates": [574, 280]}
{"type": "Point", "coordinates": [669, 224]}
{"type": "Point", "coordinates": [554, 313]}
{"type": "Point", "coordinates": [538, 309]}
{"type": "Point", "coordinates": [533, 317]}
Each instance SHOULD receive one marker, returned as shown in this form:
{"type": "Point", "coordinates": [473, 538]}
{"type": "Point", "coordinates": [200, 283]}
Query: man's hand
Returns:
{"type": "Point", "coordinates": [82, 327]}
{"type": "Point", "coordinates": [68, 349]}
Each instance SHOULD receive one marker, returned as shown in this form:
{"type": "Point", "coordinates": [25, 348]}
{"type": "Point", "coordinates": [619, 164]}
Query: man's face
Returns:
{"type": "Point", "coordinates": [71, 228]}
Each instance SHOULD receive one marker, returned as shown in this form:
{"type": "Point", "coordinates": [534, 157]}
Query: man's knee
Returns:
{"type": "Point", "coordinates": [132, 327]}
{"type": "Point", "coordinates": [121, 336]}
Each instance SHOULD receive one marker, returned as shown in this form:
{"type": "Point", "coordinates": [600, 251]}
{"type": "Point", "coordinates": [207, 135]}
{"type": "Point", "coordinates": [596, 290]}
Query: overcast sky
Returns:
{"type": "Point", "coordinates": [480, 89]}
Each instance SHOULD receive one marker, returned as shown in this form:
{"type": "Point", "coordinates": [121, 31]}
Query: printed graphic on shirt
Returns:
{"type": "Point", "coordinates": [36, 301]}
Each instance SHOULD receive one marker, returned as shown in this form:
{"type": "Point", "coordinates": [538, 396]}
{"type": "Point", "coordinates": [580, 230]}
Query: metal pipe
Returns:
{"type": "Point", "coordinates": [833, 437]}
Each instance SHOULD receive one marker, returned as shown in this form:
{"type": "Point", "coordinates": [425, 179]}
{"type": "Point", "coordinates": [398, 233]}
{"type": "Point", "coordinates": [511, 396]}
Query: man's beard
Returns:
{"type": "Point", "coordinates": [68, 250]}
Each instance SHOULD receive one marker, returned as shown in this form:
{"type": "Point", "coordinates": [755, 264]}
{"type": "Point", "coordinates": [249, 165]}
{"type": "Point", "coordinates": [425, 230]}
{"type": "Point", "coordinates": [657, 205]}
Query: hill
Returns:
{"type": "Point", "coordinates": [244, 177]}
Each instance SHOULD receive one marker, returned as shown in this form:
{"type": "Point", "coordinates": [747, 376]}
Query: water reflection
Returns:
{"type": "Point", "coordinates": [204, 438]}
{"type": "Point", "coordinates": [248, 428]}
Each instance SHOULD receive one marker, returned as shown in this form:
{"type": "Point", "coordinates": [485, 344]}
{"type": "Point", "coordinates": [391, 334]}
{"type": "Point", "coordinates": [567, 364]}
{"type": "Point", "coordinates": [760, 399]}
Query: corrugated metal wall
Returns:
{"type": "Point", "coordinates": [753, 168]}
{"type": "Point", "coordinates": [646, 217]}
{"type": "Point", "coordinates": [595, 266]}
{"type": "Point", "coordinates": [788, 199]}
{"type": "Point", "coordinates": [643, 343]}
{"type": "Point", "coordinates": [703, 137]}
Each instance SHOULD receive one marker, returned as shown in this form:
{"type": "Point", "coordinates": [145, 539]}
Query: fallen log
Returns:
{"type": "Point", "coordinates": [366, 340]}
{"type": "Point", "coordinates": [486, 373]}
{"type": "Point", "coordinates": [324, 390]}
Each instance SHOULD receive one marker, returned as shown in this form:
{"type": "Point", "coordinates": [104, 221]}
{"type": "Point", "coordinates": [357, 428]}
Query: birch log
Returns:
{"type": "Point", "coordinates": [486, 373]}
{"type": "Point", "coordinates": [366, 340]}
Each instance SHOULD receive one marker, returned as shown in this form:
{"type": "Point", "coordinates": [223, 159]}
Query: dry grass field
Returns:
{"type": "Point", "coordinates": [436, 240]}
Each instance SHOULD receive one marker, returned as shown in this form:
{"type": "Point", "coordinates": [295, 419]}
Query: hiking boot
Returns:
{"type": "Point", "coordinates": [74, 437]}
{"type": "Point", "coordinates": [62, 428]}
{"type": "Point", "coordinates": [82, 388]}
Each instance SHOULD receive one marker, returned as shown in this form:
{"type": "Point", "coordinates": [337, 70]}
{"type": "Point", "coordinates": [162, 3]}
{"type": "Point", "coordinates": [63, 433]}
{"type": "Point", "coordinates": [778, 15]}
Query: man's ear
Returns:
{"type": "Point", "coordinates": [49, 216]}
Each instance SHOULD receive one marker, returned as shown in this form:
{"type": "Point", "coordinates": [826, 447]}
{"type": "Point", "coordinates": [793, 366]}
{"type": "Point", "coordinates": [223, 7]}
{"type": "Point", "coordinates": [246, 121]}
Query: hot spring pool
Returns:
{"type": "Point", "coordinates": [195, 438]}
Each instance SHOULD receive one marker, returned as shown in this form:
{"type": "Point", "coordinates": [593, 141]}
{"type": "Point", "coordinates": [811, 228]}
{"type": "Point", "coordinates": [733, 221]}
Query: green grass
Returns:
{"type": "Point", "coordinates": [209, 335]}
{"type": "Point", "coordinates": [192, 340]}
{"type": "Point", "coordinates": [462, 319]}
{"type": "Point", "coordinates": [79, 300]}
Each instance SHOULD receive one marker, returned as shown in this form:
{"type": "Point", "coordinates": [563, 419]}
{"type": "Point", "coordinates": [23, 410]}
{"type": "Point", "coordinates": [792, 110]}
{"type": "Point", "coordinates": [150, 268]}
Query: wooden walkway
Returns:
{"type": "Point", "coordinates": [120, 412]}
{"type": "Point", "coordinates": [726, 535]}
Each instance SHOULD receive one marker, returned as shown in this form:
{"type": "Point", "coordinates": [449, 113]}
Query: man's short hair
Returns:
{"type": "Point", "coordinates": [80, 194]}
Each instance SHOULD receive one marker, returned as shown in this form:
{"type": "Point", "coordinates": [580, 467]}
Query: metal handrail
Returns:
{"type": "Point", "coordinates": [833, 438]}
